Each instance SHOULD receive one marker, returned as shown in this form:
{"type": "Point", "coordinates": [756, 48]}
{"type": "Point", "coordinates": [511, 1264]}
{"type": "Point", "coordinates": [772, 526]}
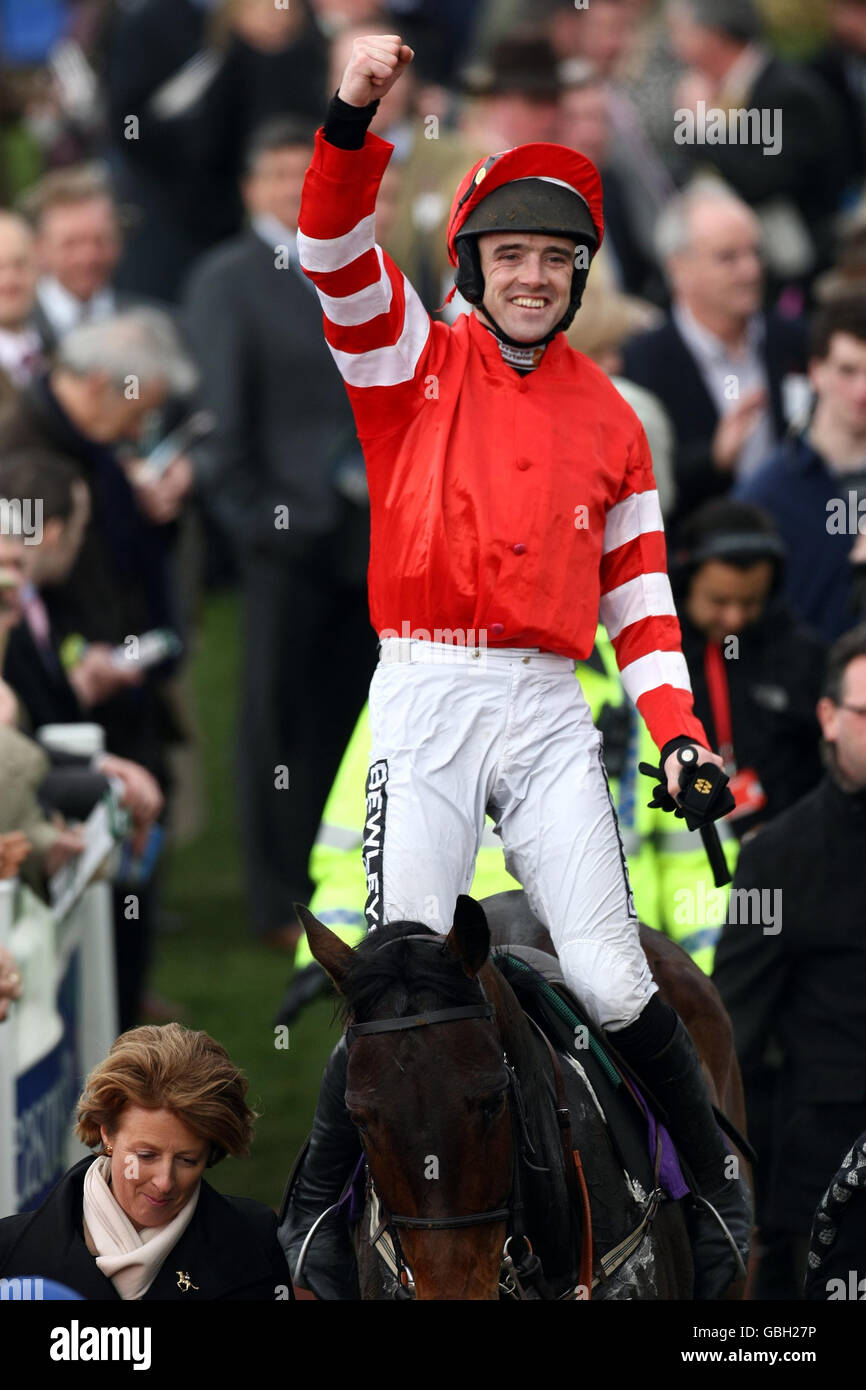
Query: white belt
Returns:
{"type": "Point", "coordinates": [416, 650]}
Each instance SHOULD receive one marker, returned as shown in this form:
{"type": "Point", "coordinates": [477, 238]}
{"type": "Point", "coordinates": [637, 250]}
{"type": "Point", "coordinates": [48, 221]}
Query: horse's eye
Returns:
{"type": "Point", "coordinates": [492, 1106]}
{"type": "Point", "coordinates": [358, 1120]}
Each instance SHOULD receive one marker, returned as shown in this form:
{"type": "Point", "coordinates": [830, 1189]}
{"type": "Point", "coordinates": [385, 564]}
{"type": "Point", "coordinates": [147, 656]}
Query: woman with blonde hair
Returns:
{"type": "Point", "coordinates": [139, 1221]}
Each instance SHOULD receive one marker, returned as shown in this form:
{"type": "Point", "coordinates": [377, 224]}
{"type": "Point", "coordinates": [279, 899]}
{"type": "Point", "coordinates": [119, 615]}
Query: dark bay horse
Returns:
{"type": "Point", "coordinates": [453, 1096]}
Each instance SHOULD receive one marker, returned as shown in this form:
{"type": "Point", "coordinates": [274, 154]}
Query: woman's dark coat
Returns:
{"type": "Point", "coordinates": [229, 1250]}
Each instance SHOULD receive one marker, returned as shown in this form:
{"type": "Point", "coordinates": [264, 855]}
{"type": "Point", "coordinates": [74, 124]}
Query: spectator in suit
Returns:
{"type": "Point", "coordinates": [814, 484]}
{"type": "Point", "coordinates": [284, 472]}
{"type": "Point", "coordinates": [719, 363]}
{"type": "Point", "coordinates": [78, 245]}
{"type": "Point", "coordinates": [795, 992]}
{"type": "Point", "coordinates": [138, 1221]}
{"type": "Point", "coordinates": [20, 346]}
{"type": "Point", "coordinates": [796, 189]}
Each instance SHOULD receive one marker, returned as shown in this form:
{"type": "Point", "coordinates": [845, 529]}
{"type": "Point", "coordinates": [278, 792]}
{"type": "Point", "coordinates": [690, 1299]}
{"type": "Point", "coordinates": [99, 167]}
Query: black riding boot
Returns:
{"type": "Point", "coordinates": [672, 1071]}
{"type": "Point", "coordinates": [329, 1268]}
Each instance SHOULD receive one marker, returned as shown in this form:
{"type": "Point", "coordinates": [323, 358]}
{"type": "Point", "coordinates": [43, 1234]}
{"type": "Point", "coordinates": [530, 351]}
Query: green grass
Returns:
{"type": "Point", "coordinates": [225, 981]}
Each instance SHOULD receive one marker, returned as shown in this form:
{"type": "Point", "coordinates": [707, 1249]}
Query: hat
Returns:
{"type": "Point", "coordinates": [522, 66]}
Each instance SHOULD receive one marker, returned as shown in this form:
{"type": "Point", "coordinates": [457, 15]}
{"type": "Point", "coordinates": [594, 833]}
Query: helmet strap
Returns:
{"type": "Point", "coordinates": [470, 282]}
{"type": "Point", "coordinates": [515, 342]}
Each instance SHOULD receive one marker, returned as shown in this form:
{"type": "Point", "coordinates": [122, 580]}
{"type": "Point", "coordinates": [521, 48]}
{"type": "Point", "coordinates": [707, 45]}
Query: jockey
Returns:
{"type": "Point", "coordinates": [512, 502]}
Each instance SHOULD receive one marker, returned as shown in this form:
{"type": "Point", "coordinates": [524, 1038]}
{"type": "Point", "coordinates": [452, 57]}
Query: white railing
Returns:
{"type": "Point", "coordinates": [63, 1024]}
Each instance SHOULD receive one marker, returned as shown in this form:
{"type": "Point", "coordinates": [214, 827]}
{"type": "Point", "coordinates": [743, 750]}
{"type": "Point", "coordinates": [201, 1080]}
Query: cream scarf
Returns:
{"type": "Point", "coordinates": [131, 1259]}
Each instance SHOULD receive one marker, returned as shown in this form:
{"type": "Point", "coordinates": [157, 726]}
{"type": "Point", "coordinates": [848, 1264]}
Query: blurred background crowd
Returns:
{"type": "Point", "coordinates": [167, 394]}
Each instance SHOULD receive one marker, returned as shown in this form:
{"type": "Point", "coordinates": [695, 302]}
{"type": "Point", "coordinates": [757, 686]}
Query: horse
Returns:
{"type": "Point", "coordinates": [459, 1109]}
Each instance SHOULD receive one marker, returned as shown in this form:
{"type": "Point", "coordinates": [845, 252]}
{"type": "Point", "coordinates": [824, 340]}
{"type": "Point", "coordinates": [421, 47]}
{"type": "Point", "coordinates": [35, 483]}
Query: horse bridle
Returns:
{"type": "Point", "coordinates": [513, 1212]}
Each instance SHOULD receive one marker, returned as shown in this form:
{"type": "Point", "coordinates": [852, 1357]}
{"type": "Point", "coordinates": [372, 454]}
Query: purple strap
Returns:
{"type": "Point", "coordinates": [354, 1194]}
{"type": "Point", "coordinates": [670, 1173]}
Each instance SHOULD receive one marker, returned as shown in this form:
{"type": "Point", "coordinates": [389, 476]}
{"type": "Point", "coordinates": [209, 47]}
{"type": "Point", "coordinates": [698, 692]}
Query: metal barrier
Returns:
{"type": "Point", "coordinates": [64, 1023]}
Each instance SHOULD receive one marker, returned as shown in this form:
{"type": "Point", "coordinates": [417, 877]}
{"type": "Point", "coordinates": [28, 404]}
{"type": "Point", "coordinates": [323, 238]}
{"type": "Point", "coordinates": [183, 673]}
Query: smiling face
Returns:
{"type": "Point", "coordinates": [527, 281]}
{"type": "Point", "coordinates": [156, 1164]}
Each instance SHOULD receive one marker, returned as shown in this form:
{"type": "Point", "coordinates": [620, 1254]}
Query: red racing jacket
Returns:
{"type": "Point", "coordinates": [510, 510]}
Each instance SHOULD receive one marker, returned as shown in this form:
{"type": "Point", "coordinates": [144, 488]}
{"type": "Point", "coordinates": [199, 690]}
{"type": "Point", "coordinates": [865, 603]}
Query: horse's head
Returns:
{"type": "Point", "coordinates": [430, 1100]}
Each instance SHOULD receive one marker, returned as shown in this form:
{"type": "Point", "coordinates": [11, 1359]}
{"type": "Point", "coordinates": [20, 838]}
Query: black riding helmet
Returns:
{"type": "Point", "coordinates": [526, 205]}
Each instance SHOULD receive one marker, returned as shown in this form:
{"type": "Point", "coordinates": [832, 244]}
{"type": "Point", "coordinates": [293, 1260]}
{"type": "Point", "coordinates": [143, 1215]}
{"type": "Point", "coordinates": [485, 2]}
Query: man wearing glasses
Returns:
{"type": "Point", "coordinates": [794, 988]}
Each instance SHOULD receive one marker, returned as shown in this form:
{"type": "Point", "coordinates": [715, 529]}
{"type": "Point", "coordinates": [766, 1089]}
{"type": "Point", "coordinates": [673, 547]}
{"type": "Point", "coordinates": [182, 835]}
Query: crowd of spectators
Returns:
{"type": "Point", "coordinates": [152, 154]}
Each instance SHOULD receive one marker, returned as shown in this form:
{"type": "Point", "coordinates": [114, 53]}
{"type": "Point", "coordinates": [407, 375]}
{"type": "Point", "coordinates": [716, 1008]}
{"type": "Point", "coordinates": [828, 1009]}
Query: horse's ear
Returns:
{"type": "Point", "coordinates": [469, 937]}
{"type": "Point", "coordinates": [333, 955]}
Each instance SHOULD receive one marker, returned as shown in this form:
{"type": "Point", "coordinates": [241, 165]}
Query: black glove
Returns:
{"type": "Point", "coordinates": [705, 795]}
{"type": "Point", "coordinates": [661, 799]}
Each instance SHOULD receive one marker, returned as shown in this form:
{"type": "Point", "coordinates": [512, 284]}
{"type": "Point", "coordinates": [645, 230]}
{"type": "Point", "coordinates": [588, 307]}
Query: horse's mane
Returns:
{"type": "Point", "coordinates": [410, 971]}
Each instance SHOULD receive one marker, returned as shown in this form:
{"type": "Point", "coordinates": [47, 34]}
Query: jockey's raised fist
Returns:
{"type": "Point", "coordinates": [377, 61]}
